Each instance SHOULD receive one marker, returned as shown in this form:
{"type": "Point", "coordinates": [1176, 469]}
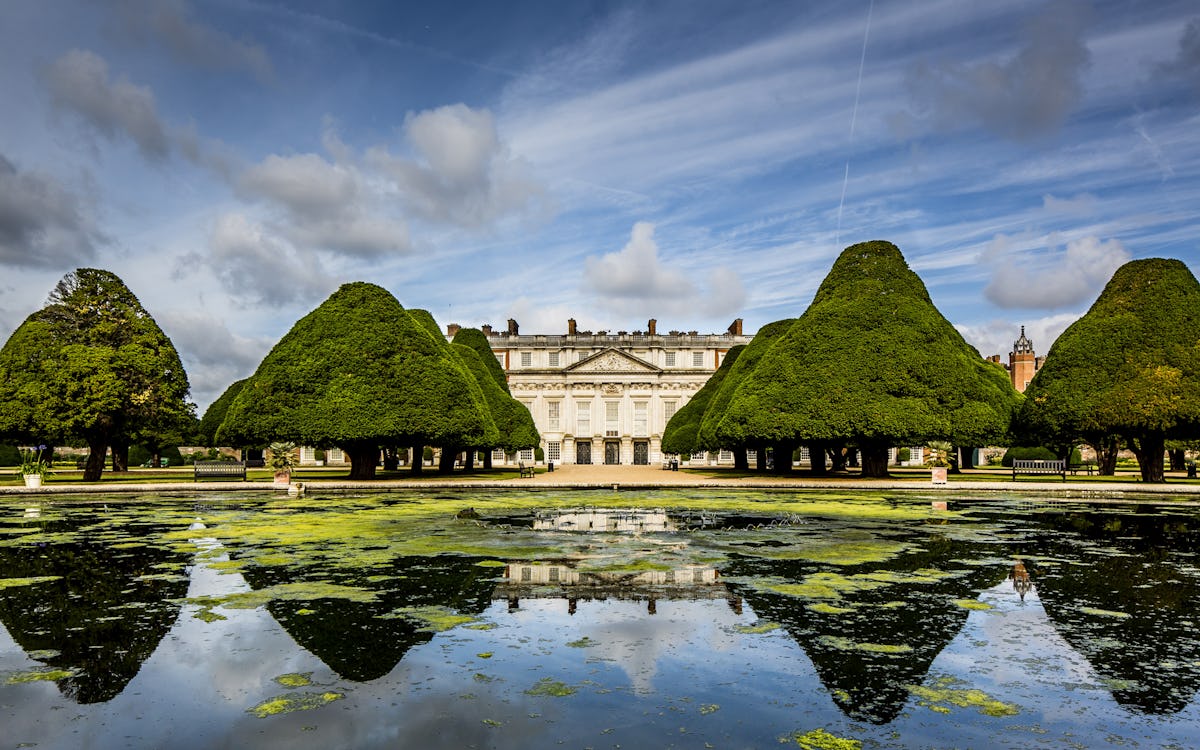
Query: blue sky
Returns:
{"type": "Point", "coordinates": [235, 160]}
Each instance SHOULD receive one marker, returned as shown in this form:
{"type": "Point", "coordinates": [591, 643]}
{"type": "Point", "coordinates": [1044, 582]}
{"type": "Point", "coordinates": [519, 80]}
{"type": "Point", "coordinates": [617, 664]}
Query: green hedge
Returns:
{"type": "Point", "coordinates": [1036, 454]}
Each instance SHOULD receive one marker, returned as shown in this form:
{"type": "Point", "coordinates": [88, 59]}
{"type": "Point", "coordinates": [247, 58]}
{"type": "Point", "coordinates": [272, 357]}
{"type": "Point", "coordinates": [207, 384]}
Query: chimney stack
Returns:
{"type": "Point", "coordinates": [512, 327]}
{"type": "Point", "coordinates": [736, 327]}
{"type": "Point", "coordinates": [452, 329]}
{"type": "Point", "coordinates": [570, 326]}
{"type": "Point", "coordinates": [487, 329]}
{"type": "Point", "coordinates": [652, 327]}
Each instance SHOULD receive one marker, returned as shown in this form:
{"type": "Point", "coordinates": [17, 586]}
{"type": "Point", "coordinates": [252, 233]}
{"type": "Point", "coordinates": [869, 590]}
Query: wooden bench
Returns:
{"type": "Point", "coordinates": [1076, 468]}
{"type": "Point", "coordinates": [1031, 466]}
{"type": "Point", "coordinates": [526, 471]}
{"type": "Point", "coordinates": [219, 470]}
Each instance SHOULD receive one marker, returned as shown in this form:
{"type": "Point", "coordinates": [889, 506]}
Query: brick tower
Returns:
{"type": "Point", "coordinates": [1022, 364]}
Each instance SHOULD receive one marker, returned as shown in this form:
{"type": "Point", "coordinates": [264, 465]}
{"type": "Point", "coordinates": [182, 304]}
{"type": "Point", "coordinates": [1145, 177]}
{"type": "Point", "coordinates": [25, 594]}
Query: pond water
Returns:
{"type": "Point", "coordinates": [597, 619]}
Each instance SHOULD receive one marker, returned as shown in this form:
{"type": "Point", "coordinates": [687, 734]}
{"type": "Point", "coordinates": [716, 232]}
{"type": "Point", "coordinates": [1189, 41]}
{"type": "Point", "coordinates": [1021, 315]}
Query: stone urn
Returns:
{"type": "Point", "coordinates": [33, 480]}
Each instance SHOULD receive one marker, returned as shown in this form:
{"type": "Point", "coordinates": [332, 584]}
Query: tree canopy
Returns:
{"type": "Point", "coordinates": [512, 418]}
{"type": "Point", "coordinates": [871, 362]}
{"type": "Point", "coordinates": [682, 433]}
{"type": "Point", "coordinates": [214, 415]}
{"type": "Point", "coordinates": [359, 372]}
{"type": "Point", "coordinates": [1130, 367]}
{"type": "Point", "coordinates": [91, 365]}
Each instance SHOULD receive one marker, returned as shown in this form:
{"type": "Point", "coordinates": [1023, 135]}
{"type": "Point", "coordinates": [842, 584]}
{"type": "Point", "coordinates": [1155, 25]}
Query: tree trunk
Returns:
{"type": "Point", "coordinates": [487, 459]}
{"type": "Point", "coordinates": [363, 460]}
{"type": "Point", "coordinates": [874, 461]}
{"type": "Point", "coordinates": [1106, 455]}
{"type": "Point", "coordinates": [740, 459]}
{"type": "Point", "coordinates": [446, 462]}
{"type": "Point", "coordinates": [1149, 450]}
{"type": "Point", "coordinates": [760, 458]}
{"type": "Point", "coordinates": [469, 463]}
{"type": "Point", "coordinates": [120, 456]}
{"type": "Point", "coordinates": [1178, 461]}
{"type": "Point", "coordinates": [816, 459]}
{"type": "Point", "coordinates": [837, 459]}
{"type": "Point", "coordinates": [852, 457]}
{"type": "Point", "coordinates": [966, 456]}
{"type": "Point", "coordinates": [783, 457]}
{"type": "Point", "coordinates": [391, 458]}
{"type": "Point", "coordinates": [416, 459]}
{"type": "Point", "coordinates": [95, 460]}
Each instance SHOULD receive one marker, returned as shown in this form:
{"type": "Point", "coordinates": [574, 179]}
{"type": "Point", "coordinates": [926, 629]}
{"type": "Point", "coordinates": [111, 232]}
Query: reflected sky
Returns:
{"type": "Point", "coordinates": [730, 641]}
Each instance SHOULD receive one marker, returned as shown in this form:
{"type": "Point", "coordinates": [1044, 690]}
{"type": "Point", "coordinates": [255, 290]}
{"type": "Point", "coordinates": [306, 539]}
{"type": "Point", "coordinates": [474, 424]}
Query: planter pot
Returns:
{"type": "Point", "coordinates": [939, 474]}
{"type": "Point", "coordinates": [283, 478]}
{"type": "Point", "coordinates": [33, 480]}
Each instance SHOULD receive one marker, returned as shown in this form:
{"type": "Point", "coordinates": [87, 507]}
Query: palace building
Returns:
{"type": "Point", "coordinates": [605, 398]}
{"type": "Point", "coordinates": [1023, 363]}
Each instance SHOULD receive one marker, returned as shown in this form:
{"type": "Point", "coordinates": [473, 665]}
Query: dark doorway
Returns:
{"type": "Point", "coordinates": [583, 453]}
{"type": "Point", "coordinates": [641, 453]}
{"type": "Point", "coordinates": [612, 452]}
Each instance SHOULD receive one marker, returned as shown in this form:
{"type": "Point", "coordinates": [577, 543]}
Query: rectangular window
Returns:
{"type": "Point", "coordinates": [583, 419]}
{"type": "Point", "coordinates": [582, 356]}
{"type": "Point", "coordinates": [697, 359]}
{"type": "Point", "coordinates": [669, 408]}
{"type": "Point", "coordinates": [670, 359]}
{"type": "Point", "coordinates": [554, 574]}
{"type": "Point", "coordinates": [725, 456]}
{"type": "Point", "coordinates": [554, 359]}
{"type": "Point", "coordinates": [639, 419]}
{"type": "Point", "coordinates": [552, 417]}
{"type": "Point", "coordinates": [553, 451]}
{"type": "Point", "coordinates": [526, 454]}
{"type": "Point", "coordinates": [612, 418]}
{"type": "Point", "coordinates": [500, 359]}
{"type": "Point", "coordinates": [526, 359]}
{"type": "Point", "coordinates": [699, 456]}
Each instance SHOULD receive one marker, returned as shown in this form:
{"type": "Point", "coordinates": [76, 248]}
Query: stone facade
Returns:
{"type": "Point", "coordinates": [604, 398]}
{"type": "Point", "coordinates": [1023, 362]}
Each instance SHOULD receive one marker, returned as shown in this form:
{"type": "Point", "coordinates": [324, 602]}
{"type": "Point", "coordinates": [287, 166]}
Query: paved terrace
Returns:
{"type": "Point", "coordinates": [646, 477]}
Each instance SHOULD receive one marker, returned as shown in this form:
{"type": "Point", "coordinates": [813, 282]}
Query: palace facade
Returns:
{"type": "Point", "coordinates": [605, 398]}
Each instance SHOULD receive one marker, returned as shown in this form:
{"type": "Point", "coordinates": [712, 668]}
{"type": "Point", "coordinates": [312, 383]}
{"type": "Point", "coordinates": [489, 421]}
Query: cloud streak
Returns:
{"type": "Point", "coordinates": [1070, 277]}
{"type": "Point", "coordinates": [42, 225]}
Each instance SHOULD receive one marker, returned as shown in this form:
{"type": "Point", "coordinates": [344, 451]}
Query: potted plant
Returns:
{"type": "Point", "coordinates": [34, 467]}
{"type": "Point", "coordinates": [282, 461]}
{"type": "Point", "coordinates": [939, 460]}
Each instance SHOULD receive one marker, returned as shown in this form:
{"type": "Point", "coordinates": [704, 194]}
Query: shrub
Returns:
{"type": "Point", "coordinates": [1026, 454]}
{"type": "Point", "coordinates": [903, 454]}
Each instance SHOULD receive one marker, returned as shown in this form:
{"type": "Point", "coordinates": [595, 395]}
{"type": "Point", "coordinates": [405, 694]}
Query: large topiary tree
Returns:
{"type": "Point", "coordinates": [359, 372]}
{"type": "Point", "coordinates": [214, 415]}
{"type": "Point", "coordinates": [1130, 367]}
{"type": "Point", "coordinates": [872, 363]}
{"type": "Point", "coordinates": [91, 365]}
{"type": "Point", "coordinates": [682, 433]}
{"type": "Point", "coordinates": [513, 420]}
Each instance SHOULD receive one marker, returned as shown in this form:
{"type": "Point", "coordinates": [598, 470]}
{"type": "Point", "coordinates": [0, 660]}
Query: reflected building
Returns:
{"type": "Point", "coordinates": [627, 521]}
{"type": "Point", "coordinates": [563, 580]}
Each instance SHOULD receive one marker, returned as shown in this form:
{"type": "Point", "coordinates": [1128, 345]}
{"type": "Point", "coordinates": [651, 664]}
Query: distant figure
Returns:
{"type": "Point", "coordinates": [1020, 578]}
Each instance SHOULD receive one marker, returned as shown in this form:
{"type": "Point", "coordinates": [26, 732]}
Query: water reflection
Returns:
{"type": "Point", "coordinates": [1021, 582]}
{"type": "Point", "coordinates": [565, 581]}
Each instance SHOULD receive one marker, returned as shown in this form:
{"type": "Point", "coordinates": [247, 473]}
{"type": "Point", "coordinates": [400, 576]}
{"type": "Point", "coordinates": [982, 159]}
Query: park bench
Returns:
{"type": "Point", "coordinates": [1090, 468]}
{"type": "Point", "coordinates": [1031, 466]}
{"type": "Point", "coordinates": [526, 471]}
{"type": "Point", "coordinates": [219, 470]}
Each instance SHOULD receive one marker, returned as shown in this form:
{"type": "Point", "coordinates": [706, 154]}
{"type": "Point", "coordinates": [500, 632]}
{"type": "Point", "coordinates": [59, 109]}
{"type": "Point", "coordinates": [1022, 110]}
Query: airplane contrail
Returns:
{"type": "Point", "coordinates": [862, 62]}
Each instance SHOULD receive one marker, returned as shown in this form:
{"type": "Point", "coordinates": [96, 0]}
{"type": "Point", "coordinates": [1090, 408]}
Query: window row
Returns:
{"type": "Point", "coordinates": [525, 360]}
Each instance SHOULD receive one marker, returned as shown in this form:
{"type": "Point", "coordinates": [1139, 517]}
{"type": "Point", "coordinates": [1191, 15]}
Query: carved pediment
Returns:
{"type": "Point", "coordinates": [612, 361]}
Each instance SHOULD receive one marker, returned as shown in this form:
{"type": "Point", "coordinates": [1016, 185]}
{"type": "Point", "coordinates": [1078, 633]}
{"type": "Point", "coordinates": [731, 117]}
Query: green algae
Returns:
{"type": "Point", "coordinates": [295, 679]}
{"type": "Point", "coordinates": [433, 618]}
{"type": "Point", "coordinates": [828, 609]}
{"type": "Point", "coordinates": [847, 644]}
{"type": "Point", "coordinates": [40, 675]}
{"type": "Point", "coordinates": [485, 654]}
{"type": "Point", "coordinates": [550, 687]}
{"type": "Point", "coordinates": [490, 564]}
{"type": "Point", "coordinates": [819, 739]}
{"type": "Point", "coordinates": [844, 553]}
{"type": "Point", "coordinates": [945, 690]}
{"type": "Point", "coordinates": [8, 583]}
{"type": "Point", "coordinates": [207, 615]}
{"type": "Point", "coordinates": [43, 654]}
{"type": "Point", "coordinates": [301, 591]}
{"type": "Point", "coordinates": [762, 626]}
{"type": "Point", "coordinates": [709, 708]}
{"type": "Point", "coordinates": [822, 585]}
{"type": "Point", "coordinates": [285, 704]}
{"type": "Point", "coordinates": [583, 642]}
{"type": "Point", "coordinates": [972, 604]}
{"type": "Point", "coordinates": [1103, 612]}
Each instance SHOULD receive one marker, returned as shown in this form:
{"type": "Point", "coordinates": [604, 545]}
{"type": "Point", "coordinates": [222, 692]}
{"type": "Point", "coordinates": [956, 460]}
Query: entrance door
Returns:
{"type": "Point", "coordinates": [641, 453]}
{"type": "Point", "coordinates": [583, 453]}
{"type": "Point", "coordinates": [612, 452]}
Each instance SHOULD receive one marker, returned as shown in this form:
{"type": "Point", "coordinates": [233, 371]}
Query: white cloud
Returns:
{"type": "Point", "coordinates": [461, 173]}
{"type": "Point", "coordinates": [79, 82]}
{"type": "Point", "coordinates": [213, 355]}
{"type": "Point", "coordinates": [1028, 95]}
{"type": "Point", "coordinates": [258, 268]}
{"type": "Point", "coordinates": [42, 224]}
{"type": "Point", "coordinates": [997, 336]}
{"type": "Point", "coordinates": [634, 281]}
{"type": "Point", "coordinates": [170, 23]}
{"type": "Point", "coordinates": [1053, 278]}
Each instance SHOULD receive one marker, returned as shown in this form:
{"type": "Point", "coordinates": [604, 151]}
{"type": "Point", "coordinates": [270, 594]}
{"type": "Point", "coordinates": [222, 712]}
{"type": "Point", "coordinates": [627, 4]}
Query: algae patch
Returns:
{"type": "Point", "coordinates": [39, 675]}
{"type": "Point", "coordinates": [433, 618]}
{"type": "Point", "coordinates": [553, 688]}
{"type": "Point", "coordinates": [295, 679]}
{"type": "Point", "coordinates": [762, 626]}
{"type": "Point", "coordinates": [285, 704]}
{"type": "Point", "coordinates": [1103, 612]}
{"type": "Point", "coordinates": [945, 691]}
{"type": "Point", "coordinates": [819, 739]}
{"type": "Point", "coordinates": [847, 644]}
{"type": "Point", "coordinates": [8, 583]}
{"type": "Point", "coordinates": [972, 604]}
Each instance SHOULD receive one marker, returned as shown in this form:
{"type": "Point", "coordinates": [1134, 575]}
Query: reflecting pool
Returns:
{"type": "Point", "coordinates": [666, 618]}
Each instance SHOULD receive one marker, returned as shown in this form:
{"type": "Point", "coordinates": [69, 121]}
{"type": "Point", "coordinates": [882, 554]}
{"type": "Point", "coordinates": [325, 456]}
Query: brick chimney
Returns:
{"type": "Point", "coordinates": [652, 327]}
{"type": "Point", "coordinates": [487, 329]}
{"type": "Point", "coordinates": [735, 327]}
{"type": "Point", "coordinates": [512, 327]}
{"type": "Point", "coordinates": [570, 326]}
{"type": "Point", "coordinates": [452, 329]}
